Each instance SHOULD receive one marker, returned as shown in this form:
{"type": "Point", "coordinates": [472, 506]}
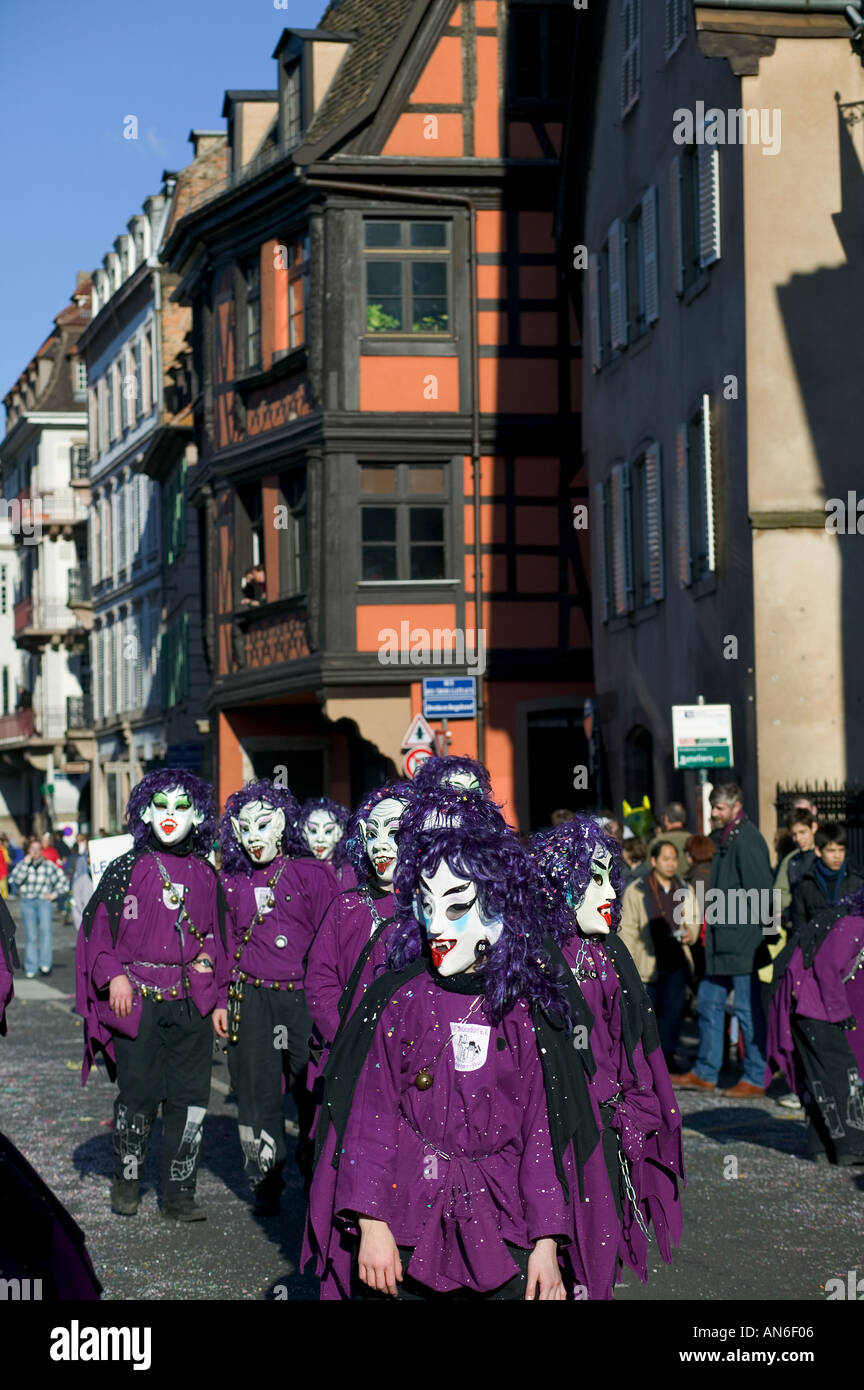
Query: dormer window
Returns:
{"type": "Point", "coordinates": [292, 104]}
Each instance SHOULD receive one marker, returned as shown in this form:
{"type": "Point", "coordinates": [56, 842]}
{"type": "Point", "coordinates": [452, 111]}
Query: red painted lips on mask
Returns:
{"type": "Point", "coordinates": [605, 910]}
{"type": "Point", "coordinates": [439, 950]}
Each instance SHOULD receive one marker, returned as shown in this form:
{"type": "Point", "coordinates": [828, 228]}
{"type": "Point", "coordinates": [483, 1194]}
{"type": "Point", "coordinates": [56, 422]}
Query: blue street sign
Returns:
{"type": "Point", "coordinates": [450, 697]}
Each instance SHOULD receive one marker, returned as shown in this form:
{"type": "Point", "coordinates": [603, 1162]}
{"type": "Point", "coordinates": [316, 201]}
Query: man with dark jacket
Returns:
{"type": "Point", "coordinates": [828, 878]}
{"type": "Point", "coordinates": [739, 900]}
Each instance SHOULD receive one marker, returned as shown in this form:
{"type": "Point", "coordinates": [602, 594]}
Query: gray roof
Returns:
{"type": "Point", "coordinates": [377, 23]}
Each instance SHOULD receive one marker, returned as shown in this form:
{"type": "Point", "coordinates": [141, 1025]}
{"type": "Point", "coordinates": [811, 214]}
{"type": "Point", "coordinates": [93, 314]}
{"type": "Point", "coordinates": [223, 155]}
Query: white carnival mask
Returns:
{"type": "Point", "coordinates": [448, 906]}
{"type": "Point", "coordinates": [379, 836]}
{"type": "Point", "coordinates": [171, 815]}
{"type": "Point", "coordinates": [594, 912]}
{"type": "Point", "coordinates": [259, 829]}
{"type": "Point", "coordinates": [322, 834]}
{"type": "Point", "coordinates": [463, 781]}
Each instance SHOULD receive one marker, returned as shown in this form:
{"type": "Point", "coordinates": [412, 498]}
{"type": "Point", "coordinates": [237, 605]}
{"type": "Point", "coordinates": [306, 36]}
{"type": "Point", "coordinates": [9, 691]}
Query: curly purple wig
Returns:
{"type": "Point", "coordinates": [446, 807]}
{"type": "Point", "coordinates": [201, 792]}
{"type": "Point", "coordinates": [234, 858]}
{"type": "Point", "coordinates": [340, 814]}
{"type": "Point", "coordinates": [499, 866]}
{"type": "Point", "coordinates": [433, 772]}
{"type": "Point", "coordinates": [562, 861]}
{"type": "Point", "coordinates": [355, 845]}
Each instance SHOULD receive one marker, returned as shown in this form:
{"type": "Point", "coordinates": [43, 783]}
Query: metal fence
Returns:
{"type": "Point", "coordinates": [844, 804]}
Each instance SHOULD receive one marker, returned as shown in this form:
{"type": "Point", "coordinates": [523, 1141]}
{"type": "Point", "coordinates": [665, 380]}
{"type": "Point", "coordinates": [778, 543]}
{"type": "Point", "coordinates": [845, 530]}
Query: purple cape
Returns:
{"type": "Point", "coordinates": [8, 962]}
{"type": "Point", "coordinates": [811, 981]}
{"type": "Point", "coordinates": [38, 1238]}
{"type": "Point", "coordinates": [457, 1171]}
{"type": "Point", "coordinates": [344, 932]}
{"type": "Point", "coordinates": [130, 926]}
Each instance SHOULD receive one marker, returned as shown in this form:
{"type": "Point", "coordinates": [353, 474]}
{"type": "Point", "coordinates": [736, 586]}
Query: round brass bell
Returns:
{"type": "Point", "coordinates": [236, 1018]}
{"type": "Point", "coordinates": [173, 991]}
{"type": "Point", "coordinates": [277, 985]}
{"type": "Point", "coordinates": [233, 1037]}
{"type": "Point", "coordinates": [174, 898]}
{"type": "Point", "coordinates": [237, 955]}
{"type": "Point", "coordinates": [423, 1080]}
{"type": "Point", "coordinates": [257, 984]}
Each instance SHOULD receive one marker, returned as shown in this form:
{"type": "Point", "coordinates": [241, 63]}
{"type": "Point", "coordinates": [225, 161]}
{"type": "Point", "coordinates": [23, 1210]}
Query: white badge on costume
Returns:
{"type": "Point", "coordinates": [470, 1045]}
{"type": "Point", "coordinates": [264, 899]}
{"type": "Point", "coordinates": [179, 892]}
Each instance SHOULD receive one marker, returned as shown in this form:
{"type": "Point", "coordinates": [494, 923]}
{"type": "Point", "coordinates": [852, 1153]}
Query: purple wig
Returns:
{"type": "Point", "coordinates": [517, 967]}
{"type": "Point", "coordinates": [203, 799]}
{"type": "Point", "coordinates": [235, 860]}
{"type": "Point", "coordinates": [432, 773]}
{"type": "Point", "coordinates": [447, 807]}
{"type": "Point", "coordinates": [340, 814]}
{"type": "Point", "coordinates": [355, 845]}
{"type": "Point", "coordinates": [562, 859]}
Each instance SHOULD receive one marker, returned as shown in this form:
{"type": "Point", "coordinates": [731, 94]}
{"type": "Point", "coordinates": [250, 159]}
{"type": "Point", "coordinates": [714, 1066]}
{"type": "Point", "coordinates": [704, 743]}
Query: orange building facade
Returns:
{"type": "Point", "coordinates": [387, 353]}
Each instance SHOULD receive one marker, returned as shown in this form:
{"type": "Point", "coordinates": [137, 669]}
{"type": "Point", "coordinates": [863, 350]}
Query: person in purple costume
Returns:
{"type": "Point", "coordinates": [352, 941]}
{"type": "Point", "coordinates": [437, 1175]}
{"type": "Point", "coordinates": [39, 1241]}
{"type": "Point", "coordinates": [275, 902]}
{"type": "Point", "coordinates": [146, 984]}
{"type": "Point", "coordinates": [322, 824]}
{"type": "Point", "coordinates": [631, 1179]}
{"type": "Point", "coordinates": [8, 963]}
{"type": "Point", "coordinates": [816, 1028]}
{"type": "Point", "coordinates": [463, 774]}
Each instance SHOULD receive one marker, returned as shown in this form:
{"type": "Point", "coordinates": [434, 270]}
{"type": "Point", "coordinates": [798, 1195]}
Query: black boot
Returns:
{"type": "Point", "coordinates": [181, 1206]}
{"type": "Point", "coordinates": [267, 1193]}
{"type": "Point", "coordinates": [124, 1196]}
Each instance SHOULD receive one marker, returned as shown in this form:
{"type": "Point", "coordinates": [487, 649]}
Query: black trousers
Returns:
{"type": "Point", "coordinates": [168, 1064]}
{"type": "Point", "coordinates": [272, 1042]}
{"type": "Point", "coordinates": [412, 1291]}
{"type": "Point", "coordinates": [833, 1098]}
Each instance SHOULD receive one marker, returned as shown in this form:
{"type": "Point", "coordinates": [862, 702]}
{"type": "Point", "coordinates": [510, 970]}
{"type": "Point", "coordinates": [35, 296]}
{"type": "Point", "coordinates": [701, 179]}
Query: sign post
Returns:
{"type": "Point", "coordinates": [702, 738]}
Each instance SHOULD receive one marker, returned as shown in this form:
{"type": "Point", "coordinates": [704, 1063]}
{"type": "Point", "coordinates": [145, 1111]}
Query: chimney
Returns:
{"type": "Point", "coordinates": [206, 141]}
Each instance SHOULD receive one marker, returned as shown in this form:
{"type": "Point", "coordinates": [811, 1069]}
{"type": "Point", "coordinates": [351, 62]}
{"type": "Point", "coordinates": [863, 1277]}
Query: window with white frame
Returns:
{"type": "Point", "coordinates": [109, 394]}
{"type": "Point", "coordinates": [107, 548]}
{"type": "Point", "coordinates": [122, 532]}
{"type": "Point", "coordinates": [99, 665]}
{"type": "Point", "coordinates": [146, 374]}
{"type": "Point", "coordinates": [114, 653]}
{"type": "Point", "coordinates": [80, 370]}
{"type": "Point", "coordinates": [631, 44]}
{"type": "Point", "coordinates": [623, 282]}
{"type": "Point", "coordinates": [138, 665]}
{"type": "Point", "coordinates": [676, 25]}
{"type": "Point", "coordinates": [695, 193]}
{"type": "Point", "coordinates": [154, 370]}
{"type": "Point", "coordinates": [95, 513]}
{"type": "Point", "coordinates": [130, 389]}
{"type": "Point", "coordinates": [137, 352]}
{"type": "Point", "coordinates": [695, 469]}
{"type": "Point", "coordinates": [117, 422]}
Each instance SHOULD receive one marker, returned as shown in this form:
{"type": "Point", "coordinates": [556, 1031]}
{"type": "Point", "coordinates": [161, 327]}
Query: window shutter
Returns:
{"type": "Point", "coordinates": [649, 253]}
{"type": "Point", "coordinates": [600, 493]}
{"type": "Point", "coordinates": [627, 534]}
{"type": "Point", "coordinates": [707, 481]}
{"type": "Point", "coordinates": [618, 283]}
{"type": "Point", "coordinates": [594, 312]}
{"type": "Point", "coordinates": [630, 36]}
{"type": "Point", "coordinates": [708, 167]}
{"type": "Point", "coordinates": [676, 172]}
{"type": "Point", "coordinates": [622, 564]}
{"type": "Point", "coordinates": [685, 561]}
{"type": "Point", "coordinates": [653, 514]}
{"type": "Point", "coordinates": [669, 31]}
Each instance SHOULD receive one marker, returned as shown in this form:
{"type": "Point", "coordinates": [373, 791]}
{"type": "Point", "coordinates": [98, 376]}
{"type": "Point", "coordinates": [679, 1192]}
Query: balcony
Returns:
{"type": "Point", "coordinates": [78, 593]}
{"type": "Point", "coordinates": [56, 513]}
{"type": "Point", "coordinates": [17, 727]}
{"type": "Point", "coordinates": [269, 634]}
{"type": "Point", "coordinates": [79, 464]}
{"type": "Point", "coordinates": [40, 621]}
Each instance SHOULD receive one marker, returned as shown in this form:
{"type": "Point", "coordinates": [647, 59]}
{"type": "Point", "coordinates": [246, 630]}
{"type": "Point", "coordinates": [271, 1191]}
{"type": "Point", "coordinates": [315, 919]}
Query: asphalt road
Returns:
{"type": "Point", "coordinates": [778, 1230]}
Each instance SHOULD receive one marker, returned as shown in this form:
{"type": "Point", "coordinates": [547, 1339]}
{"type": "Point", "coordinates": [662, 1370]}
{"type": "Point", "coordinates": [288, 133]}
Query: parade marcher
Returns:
{"type": "Point", "coordinates": [455, 771]}
{"type": "Point", "coordinates": [351, 944]}
{"type": "Point", "coordinates": [322, 824]}
{"type": "Point", "coordinates": [151, 937]}
{"type": "Point", "coordinates": [275, 902]}
{"type": "Point", "coordinates": [39, 1241]}
{"type": "Point", "coordinates": [8, 962]}
{"type": "Point", "coordinates": [631, 1179]}
{"type": "Point", "coordinates": [437, 1174]}
{"type": "Point", "coordinates": [816, 1028]}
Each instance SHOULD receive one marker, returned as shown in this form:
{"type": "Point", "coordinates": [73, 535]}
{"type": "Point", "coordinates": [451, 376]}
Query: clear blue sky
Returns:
{"type": "Point", "coordinates": [69, 74]}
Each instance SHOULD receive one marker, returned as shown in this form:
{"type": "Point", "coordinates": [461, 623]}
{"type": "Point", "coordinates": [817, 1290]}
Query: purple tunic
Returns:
{"type": "Point", "coordinates": [820, 992]}
{"type": "Point", "coordinates": [149, 950]}
{"type": "Point", "coordinates": [648, 1124]}
{"type": "Point", "coordinates": [278, 943]}
{"type": "Point", "coordinates": [457, 1170]}
{"type": "Point", "coordinates": [344, 931]}
{"type": "Point", "coordinates": [7, 992]}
